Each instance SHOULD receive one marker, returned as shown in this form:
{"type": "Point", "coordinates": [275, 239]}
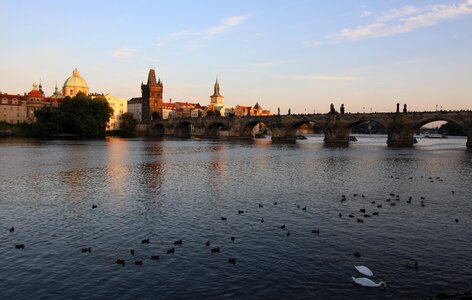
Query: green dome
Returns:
{"type": "Point", "coordinates": [75, 80]}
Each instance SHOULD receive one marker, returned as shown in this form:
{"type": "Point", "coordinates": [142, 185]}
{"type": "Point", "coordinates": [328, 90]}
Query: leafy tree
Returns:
{"type": "Point", "coordinates": [81, 115]}
{"type": "Point", "coordinates": [128, 125]}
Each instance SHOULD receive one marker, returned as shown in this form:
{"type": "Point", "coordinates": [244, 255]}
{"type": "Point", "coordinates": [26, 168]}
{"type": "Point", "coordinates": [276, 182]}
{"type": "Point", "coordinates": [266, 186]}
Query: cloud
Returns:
{"type": "Point", "coordinates": [323, 78]}
{"type": "Point", "coordinates": [122, 53]}
{"type": "Point", "coordinates": [402, 20]}
{"type": "Point", "coordinates": [225, 25]}
{"type": "Point", "coordinates": [367, 13]}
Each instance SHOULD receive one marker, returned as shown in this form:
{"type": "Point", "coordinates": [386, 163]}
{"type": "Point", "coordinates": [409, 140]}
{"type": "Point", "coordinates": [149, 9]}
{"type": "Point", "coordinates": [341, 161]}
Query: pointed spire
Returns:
{"type": "Point", "coordinates": [216, 89]}
{"type": "Point", "coordinates": [152, 77]}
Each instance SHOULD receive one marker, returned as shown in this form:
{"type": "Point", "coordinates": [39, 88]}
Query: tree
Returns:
{"type": "Point", "coordinates": [128, 125]}
{"type": "Point", "coordinates": [81, 115]}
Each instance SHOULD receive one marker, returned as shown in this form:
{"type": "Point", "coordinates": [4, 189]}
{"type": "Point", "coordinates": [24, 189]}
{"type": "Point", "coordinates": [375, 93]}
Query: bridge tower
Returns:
{"type": "Point", "coordinates": [152, 98]}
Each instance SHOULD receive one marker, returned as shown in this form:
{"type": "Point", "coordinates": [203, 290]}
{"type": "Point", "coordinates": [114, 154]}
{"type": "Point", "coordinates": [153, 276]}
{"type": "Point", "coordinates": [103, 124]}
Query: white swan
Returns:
{"type": "Point", "coordinates": [364, 270]}
{"type": "Point", "coordinates": [368, 283]}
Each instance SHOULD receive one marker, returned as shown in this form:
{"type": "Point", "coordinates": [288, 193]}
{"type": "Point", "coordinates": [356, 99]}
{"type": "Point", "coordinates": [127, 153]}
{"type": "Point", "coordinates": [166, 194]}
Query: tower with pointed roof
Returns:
{"type": "Point", "coordinates": [216, 99]}
{"type": "Point", "coordinates": [152, 98]}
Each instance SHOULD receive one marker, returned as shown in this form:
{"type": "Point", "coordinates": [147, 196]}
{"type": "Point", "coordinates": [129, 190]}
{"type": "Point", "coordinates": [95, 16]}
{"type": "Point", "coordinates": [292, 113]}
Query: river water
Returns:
{"type": "Point", "coordinates": [167, 190]}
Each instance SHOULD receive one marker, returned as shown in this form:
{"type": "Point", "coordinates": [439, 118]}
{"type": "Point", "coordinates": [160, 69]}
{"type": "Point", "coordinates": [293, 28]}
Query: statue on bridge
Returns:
{"type": "Point", "coordinates": [331, 109]}
{"type": "Point", "coordinates": [404, 108]}
{"type": "Point", "coordinates": [289, 112]}
{"type": "Point", "coordinates": [342, 109]}
{"type": "Point", "coordinates": [278, 111]}
{"type": "Point", "coordinates": [398, 108]}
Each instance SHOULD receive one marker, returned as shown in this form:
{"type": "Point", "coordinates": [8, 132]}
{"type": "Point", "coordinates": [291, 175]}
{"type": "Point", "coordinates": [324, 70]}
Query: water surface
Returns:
{"type": "Point", "coordinates": [167, 190]}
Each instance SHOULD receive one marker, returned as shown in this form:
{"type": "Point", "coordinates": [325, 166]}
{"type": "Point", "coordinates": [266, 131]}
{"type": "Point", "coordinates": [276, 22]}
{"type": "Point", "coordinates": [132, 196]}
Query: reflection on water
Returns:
{"type": "Point", "coordinates": [166, 190]}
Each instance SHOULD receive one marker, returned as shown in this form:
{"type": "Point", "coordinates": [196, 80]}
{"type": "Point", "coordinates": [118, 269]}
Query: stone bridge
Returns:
{"type": "Point", "coordinates": [400, 127]}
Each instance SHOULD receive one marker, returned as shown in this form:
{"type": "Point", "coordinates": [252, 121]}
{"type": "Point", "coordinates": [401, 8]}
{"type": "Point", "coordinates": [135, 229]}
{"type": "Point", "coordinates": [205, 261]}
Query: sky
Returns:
{"type": "Point", "coordinates": [302, 55]}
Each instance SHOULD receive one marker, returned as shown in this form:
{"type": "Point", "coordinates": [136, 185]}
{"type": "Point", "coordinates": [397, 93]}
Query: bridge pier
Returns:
{"type": "Point", "coordinates": [401, 138]}
{"type": "Point", "coordinates": [282, 134]}
{"type": "Point", "coordinates": [336, 137]}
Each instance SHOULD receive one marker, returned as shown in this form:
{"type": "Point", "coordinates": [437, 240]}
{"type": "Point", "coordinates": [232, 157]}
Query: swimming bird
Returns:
{"type": "Point", "coordinates": [351, 216]}
{"type": "Point", "coordinates": [368, 283]}
{"type": "Point", "coordinates": [366, 216]}
{"type": "Point", "coordinates": [422, 204]}
{"type": "Point", "coordinates": [317, 231]}
{"type": "Point", "coordinates": [360, 221]}
{"type": "Point", "coordinates": [357, 254]}
{"type": "Point", "coordinates": [178, 242]}
{"type": "Point", "coordinates": [298, 206]}
{"type": "Point", "coordinates": [282, 227]}
{"type": "Point", "coordinates": [340, 215]}
{"type": "Point", "coordinates": [304, 209]}
{"type": "Point", "coordinates": [232, 261]}
{"type": "Point", "coordinates": [452, 192]}
{"type": "Point", "coordinates": [355, 195]}
{"type": "Point", "coordinates": [412, 266]}
{"type": "Point", "coordinates": [392, 204]}
{"type": "Point", "coordinates": [20, 246]}
{"type": "Point", "coordinates": [262, 220]}
{"type": "Point", "coordinates": [94, 206]}
{"type": "Point", "coordinates": [379, 206]}
{"type": "Point", "coordinates": [215, 250]}
{"type": "Point", "coordinates": [84, 250]}
{"type": "Point", "coordinates": [155, 257]}
{"type": "Point", "coordinates": [422, 198]}
{"type": "Point", "coordinates": [207, 243]}
{"type": "Point", "coordinates": [364, 270]}
{"type": "Point", "coordinates": [240, 212]}
{"type": "Point", "coordinates": [132, 252]}
{"type": "Point", "coordinates": [392, 194]}
{"type": "Point", "coordinates": [120, 262]}
{"type": "Point", "coordinates": [375, 213]}
{"type": "Point", "coordinates": [288, 233]}
{"type": "Point", "coordinates": [145, 241]}
{"type": "Point", "coordinates": [138, 262]}
{"type": "Point", "coordinates": [233, 238]}
{"type": "Point", "coordinates": [12, 229]}
{"type": "Point", "coordinates": [373, 202]}
{"type": "Point", "coordinates": [260, 205]}
{"type": "Point", "coordinates": [362, 196]}
{"type": "Point", "coordinates": [275, 203]}
{"type": "Point", "coordinates": [457, 220]}
{"type": "Point", "coordinates": [171, 251]}
{"type": "Point", "coordinates": [224, 218]}
{"type": "Point", "coordinates": [362, 210]}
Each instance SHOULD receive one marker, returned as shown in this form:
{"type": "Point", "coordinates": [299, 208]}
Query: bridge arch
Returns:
{"type": "Point", "coordinates": [247, 130]}
{"type": "Point", "coordinates": [425, 121]}
{"type": "Point", "coordinates": [183, 129]}
{"type": "Point", "coordinates": [213, 130]}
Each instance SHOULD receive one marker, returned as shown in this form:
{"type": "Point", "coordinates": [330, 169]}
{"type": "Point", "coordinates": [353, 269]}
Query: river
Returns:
{"type": "Point", "coordinates": [167, 190]}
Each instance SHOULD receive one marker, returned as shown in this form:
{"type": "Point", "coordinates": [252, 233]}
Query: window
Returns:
{"type": "Point", "coordinates": [121, 104]}
{"type": "Point", "coordinates": [71, 92]}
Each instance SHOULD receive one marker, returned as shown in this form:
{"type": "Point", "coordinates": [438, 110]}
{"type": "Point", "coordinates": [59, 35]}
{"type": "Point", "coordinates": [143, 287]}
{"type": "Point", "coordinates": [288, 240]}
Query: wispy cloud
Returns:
{"type": "Point", "coordinates": [122, 53]}
{"type": "Point", "coordinates": [224, 25]}
{"type": "Point", "coordinates": [323, 78]}
{"type": "Point", "coordinates": [367, 13]}
{"type": "Point", "coordinates": [402, 20]}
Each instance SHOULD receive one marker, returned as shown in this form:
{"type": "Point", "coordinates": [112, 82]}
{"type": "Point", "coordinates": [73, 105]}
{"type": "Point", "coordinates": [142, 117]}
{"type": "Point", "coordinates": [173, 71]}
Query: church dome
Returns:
{"type": "Point", "coordinates": [75, 80]}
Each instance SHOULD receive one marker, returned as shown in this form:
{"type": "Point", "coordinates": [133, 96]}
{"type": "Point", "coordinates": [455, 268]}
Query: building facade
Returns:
{"type": "Point", "coordinates": [75, 84]}
{"type": "Point", "coordinates": [120, 106]}
{"type": "Point", "coordinates": [151, 98]}
{"type": "Point", "coordinates": [16, 109]}
{"type": "Point", "coordinates": [135, 106]}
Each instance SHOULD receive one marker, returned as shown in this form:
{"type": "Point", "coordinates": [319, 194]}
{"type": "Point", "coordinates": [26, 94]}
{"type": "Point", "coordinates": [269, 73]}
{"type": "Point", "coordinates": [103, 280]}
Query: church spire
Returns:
{"type": "Point", "coordinates": [152, 77]}
{"type": "Point", "coordinates": [216, 92]}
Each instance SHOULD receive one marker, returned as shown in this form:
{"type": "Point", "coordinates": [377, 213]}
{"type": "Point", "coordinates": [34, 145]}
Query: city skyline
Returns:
{"type": "Point", "coordinates": [304, 56]}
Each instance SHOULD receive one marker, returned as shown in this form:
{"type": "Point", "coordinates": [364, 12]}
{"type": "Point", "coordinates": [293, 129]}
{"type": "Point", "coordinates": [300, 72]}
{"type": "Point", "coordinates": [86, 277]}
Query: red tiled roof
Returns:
{"type": "Point", "coordinates": [35, 94]}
